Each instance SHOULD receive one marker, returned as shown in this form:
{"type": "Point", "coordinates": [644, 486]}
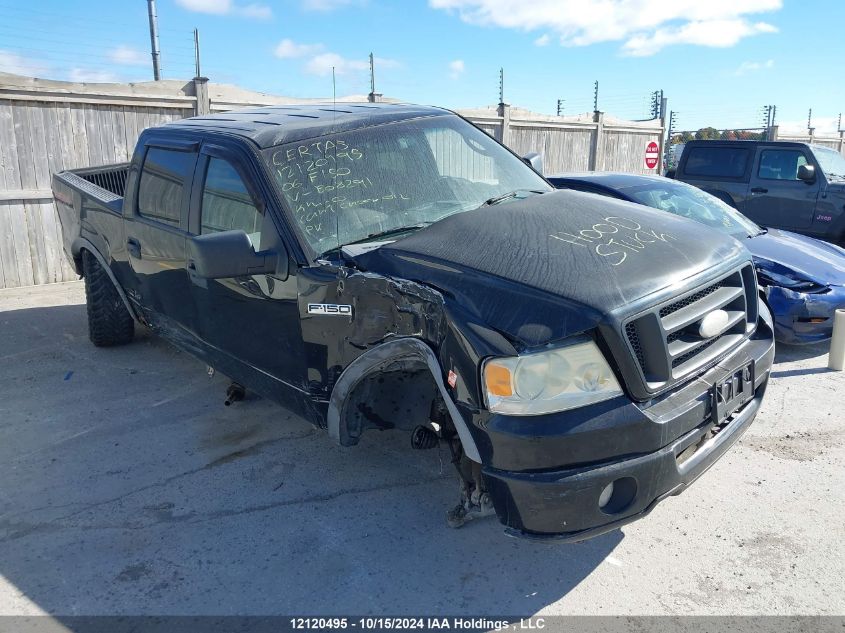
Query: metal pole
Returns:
{"type": "Point", "coordinates": [596, 97]}
{"type": "Point", "coordinates": [501, 86]}
{"type": "Point", "coordinates": [372, 75]}
{"type": "Point", "coordinates": [197, 53]}
{"type": "Point", "coordinates": [151, 10]}
{"type": "Point", "coordinates": [810, 120]}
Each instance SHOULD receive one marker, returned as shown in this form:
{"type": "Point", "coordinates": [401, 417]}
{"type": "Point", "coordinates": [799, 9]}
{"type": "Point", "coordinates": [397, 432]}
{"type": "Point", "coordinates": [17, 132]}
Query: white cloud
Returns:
{"type": "Point", "coordinates": [227, 7]}
{"type": "Point", "coordinates": [128, 56]}
{"type": "Point", "coordinates": [325, 6]}
{"type": "Point", "coordinates": [287, 49]}
{"type": "Point", "coordinates": [321, 65]}
{"type": "Point", "coordinates": [84, 75]}
{"type": "Point", "coordinates": [255, 11]}
{"type": "Point", "coordinates": [456, 68]}
{"type": "Point", "coordinates": [644, 26]}
{"type": "Point", "coordinates": [17, 65]}
{"type": "Point", "coordinates": [714, 33]}
{"type": "Point", "coordinates": [216, 7]}
{"type": "Point", "coordinates": [747, 67]}
{"type": "Point", "coordinates": [543, 40]}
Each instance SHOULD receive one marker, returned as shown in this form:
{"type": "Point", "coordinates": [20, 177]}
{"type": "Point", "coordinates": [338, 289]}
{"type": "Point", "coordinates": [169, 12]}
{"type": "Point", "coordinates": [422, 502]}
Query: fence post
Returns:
{"type": "Point", "coordinates": [812, 135]}
{"type": "Point", "coordinates": [202, 105]}
{"type": "Point", "coordinates": [773, 133]}
{"type": "Point", "coordinates": [661, 142]}
{"type": "Point", "coordinates": [842, 141]}
{"type": "Point", "coordinates": [595, 148]}
{"type": "Point", "coordinates": [504, 111]}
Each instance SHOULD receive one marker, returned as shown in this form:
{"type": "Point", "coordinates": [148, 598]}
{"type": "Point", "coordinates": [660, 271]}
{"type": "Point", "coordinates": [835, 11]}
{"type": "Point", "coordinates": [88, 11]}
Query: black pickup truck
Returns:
{"type": "Point", "coordinates": [778, 184]}
{"type": "Point", "coordinates": [378, 266]}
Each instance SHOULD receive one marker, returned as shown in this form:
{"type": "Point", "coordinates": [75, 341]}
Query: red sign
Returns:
{"type": "Point", "coordinates": [652, 155]}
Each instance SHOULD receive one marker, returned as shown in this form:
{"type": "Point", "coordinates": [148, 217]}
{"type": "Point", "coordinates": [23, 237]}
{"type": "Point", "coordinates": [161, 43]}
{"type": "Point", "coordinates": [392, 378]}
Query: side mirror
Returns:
{"type": "Point", "coordinates": [534, 161]}
{"type": "Point", "coordinates": [807, 173]}
{"type": "Point", "coordinates": [230, 254]}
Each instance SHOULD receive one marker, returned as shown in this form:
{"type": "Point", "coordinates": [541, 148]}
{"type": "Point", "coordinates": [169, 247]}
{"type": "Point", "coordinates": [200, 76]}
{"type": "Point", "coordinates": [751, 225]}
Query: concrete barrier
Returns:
{"type": "Point", "coordinates": [836, 358]}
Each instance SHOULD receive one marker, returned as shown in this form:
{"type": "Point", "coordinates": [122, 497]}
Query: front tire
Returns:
{"type": "Point", "coordinates": [109, 322]}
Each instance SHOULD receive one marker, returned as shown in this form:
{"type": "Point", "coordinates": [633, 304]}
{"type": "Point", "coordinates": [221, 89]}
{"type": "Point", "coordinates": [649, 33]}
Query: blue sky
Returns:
{"type": "Point", "coordinates": [717, 61]}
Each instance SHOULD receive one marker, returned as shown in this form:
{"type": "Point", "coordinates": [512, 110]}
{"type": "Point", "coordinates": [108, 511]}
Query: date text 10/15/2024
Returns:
{"type": "Point", "coordinates": [369, 623]}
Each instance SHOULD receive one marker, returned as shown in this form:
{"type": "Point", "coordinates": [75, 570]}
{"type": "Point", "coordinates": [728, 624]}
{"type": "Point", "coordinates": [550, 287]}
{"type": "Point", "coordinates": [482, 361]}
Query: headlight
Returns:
{"type": "Point", "coordinates": [546, 382]}
{"type": "Point", "coordinates": [788, 280]}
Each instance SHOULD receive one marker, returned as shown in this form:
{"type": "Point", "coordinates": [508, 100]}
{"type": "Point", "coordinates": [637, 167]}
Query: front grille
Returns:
{"type": "Point", "coordinates": [666, 340]}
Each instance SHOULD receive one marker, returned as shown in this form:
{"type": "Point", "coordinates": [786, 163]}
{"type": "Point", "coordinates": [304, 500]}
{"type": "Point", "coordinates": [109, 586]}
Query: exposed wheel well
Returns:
{"type": "Point", "coordinates": [398, 395]}
{"type": "Point", "coordinates": [360, 401]}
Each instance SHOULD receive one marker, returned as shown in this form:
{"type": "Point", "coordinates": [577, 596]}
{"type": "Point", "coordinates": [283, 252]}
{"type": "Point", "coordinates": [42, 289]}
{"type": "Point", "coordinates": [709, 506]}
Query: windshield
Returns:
{"type": "Point", "coordinates": [691, 202]}
{"type": "Point", "coordinates": [831, 161]}
{"type": "Point", "coordinates": [354, 186]}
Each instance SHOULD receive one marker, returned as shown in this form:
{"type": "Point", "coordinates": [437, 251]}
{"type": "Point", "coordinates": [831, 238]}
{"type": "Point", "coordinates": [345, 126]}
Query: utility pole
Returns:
{"type": "Point", "coordinates": [197, 53]}
{"type": "Point", "coordinates": [373, 96]}
{"type": "Point", "coordinates": [151, 11]}
{"type": "Point", "coordinates": [656, 103]}
{"type": "Point", "coordinates": [596, 97]}
{"type": "Point", "coordinates": [766, 113]}
{"type": "Point", "coordinates": [673, 123]}
{"type": "Point", "coordinates": [560, 103]}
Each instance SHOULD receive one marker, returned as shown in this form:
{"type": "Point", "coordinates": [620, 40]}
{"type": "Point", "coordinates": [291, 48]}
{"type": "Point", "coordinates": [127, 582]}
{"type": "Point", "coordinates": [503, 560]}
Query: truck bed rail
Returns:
{"type": "Point", "coordinates": [105, 180]}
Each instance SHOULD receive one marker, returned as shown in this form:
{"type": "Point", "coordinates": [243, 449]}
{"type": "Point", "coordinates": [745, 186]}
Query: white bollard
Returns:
{"type": "Point", "coordinates": [836, 358]}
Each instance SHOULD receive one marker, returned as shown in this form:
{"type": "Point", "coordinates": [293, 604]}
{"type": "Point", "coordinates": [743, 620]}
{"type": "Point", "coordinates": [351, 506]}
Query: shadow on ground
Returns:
{"type": "Point", "coordinates": [128, 488]}
{"type": "Point", "coordinates": [790, 353]}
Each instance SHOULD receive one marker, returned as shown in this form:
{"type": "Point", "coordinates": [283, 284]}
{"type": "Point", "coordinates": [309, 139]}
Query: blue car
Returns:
{"type": "Point", "coordinates": [803, 278]}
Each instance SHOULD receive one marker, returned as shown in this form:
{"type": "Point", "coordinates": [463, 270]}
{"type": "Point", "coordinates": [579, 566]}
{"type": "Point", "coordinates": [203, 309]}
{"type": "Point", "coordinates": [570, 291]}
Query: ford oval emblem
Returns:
{"type": "Point", "coordinates": [713, 324]}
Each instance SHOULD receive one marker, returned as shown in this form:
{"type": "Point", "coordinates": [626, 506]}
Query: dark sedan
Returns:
{"type": "Point", "coordinates": [803, 278]}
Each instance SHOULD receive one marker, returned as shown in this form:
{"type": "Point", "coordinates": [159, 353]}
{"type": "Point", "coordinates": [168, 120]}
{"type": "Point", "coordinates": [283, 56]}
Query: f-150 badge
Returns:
{"type": "Point", "coordinates": [329, 309]}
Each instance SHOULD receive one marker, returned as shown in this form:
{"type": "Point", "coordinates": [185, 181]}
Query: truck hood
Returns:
{"type": "Point", "coordinates": [552, 265]}
{"type": "Point", "coordinates": [805, 256]}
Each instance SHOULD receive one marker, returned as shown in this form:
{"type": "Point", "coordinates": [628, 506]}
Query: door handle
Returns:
{"type": "Point", "coordinates": [759, 190]}
{"type": "Point", "coordinates": [134, 247]}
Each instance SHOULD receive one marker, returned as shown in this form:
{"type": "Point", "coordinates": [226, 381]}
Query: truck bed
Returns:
{"type": "Point", "coordinates": [85, 198]}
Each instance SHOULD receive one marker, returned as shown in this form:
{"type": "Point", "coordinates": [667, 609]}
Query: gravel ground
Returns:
{"type": "Point", "coordinates": [126, 487]}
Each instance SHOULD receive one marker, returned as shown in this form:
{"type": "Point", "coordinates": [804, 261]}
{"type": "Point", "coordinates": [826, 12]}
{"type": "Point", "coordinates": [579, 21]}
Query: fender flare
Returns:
{"type": "Point", "coordinates": [375, 359]}
{"type": "Point", "coordinates": [81, 243]}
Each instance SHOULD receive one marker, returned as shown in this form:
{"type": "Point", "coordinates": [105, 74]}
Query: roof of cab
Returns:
{"type": "Point", "coordinates": [275, 125]}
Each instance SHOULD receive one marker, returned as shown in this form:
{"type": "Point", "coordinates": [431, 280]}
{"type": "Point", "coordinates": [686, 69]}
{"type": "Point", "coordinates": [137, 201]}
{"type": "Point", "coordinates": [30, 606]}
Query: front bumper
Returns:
{"type": "Point", "coordinates": [649, 450]}
{"type": "Point", "coordinates": [802, 318]}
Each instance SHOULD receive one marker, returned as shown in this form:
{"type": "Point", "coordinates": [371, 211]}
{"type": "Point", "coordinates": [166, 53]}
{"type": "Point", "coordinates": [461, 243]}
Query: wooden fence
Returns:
{"type": "Point", "coordinates": [833, 141]}
{"type": "Point", "coordinates": [48, 126]}
{"type": "Point", "coordinates": [593, 142]}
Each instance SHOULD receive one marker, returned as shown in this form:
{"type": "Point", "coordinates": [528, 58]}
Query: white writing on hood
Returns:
{"type": "Point", "coordinates": [615, 238]}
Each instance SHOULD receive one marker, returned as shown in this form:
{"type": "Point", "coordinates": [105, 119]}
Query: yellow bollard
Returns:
{"type": "Point", "coordinates": [836, 358]}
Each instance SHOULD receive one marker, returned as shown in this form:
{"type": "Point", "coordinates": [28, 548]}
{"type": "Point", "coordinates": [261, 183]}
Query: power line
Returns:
{"type": "Point", "coordinates": [66, 19]}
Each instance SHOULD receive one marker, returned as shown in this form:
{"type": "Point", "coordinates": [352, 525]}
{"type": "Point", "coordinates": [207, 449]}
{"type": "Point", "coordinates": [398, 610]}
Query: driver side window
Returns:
{"type": "Point", "coordinates": [227, 204]}
{"type": "Point", "coordinates": [780, 164]}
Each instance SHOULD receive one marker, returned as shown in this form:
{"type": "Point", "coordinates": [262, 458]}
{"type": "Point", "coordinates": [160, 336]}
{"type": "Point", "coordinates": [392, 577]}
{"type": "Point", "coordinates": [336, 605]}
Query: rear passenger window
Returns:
{"type": "Point", "coordinates": [717, 162]}
{"type": "Point", "coordinates": [162, 185]}
{"type": "Point", "coordinates": [227, 204]}
{"type": "Point", "coordinates": [780, 164]}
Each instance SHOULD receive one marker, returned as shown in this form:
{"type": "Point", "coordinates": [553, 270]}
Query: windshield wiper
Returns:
{"type": "Point", "coordinates": [508, 196]}
{"type": "Point", "coordinates": [390, 232]}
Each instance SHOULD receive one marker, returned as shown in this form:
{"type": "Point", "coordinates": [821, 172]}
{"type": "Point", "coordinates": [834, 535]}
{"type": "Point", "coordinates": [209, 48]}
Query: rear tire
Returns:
{"type": "Point", "coordinates": [109, 322]}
